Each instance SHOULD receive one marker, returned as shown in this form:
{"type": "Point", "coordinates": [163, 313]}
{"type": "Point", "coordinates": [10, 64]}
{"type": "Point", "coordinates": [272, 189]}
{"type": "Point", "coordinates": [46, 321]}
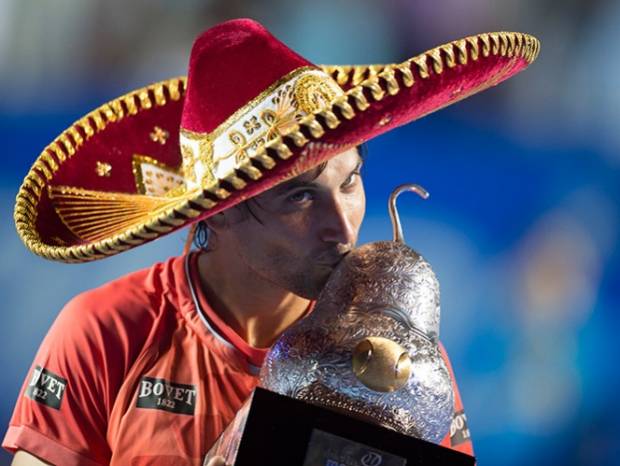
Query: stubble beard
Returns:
{"type": "Point", "coordinates": [295, 276]}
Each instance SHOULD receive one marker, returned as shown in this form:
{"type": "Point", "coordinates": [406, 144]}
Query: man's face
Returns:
{"type": "Point", "coordinates": [295, 234]}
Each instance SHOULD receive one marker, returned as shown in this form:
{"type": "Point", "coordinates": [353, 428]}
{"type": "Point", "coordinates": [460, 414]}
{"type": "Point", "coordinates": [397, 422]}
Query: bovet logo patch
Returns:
{"type": "Point", "coordinates": [46, 388]}
{"type": "Point", "coordinates": [459, 432]}
{"type": "Point", "coordinates": [168, 396]}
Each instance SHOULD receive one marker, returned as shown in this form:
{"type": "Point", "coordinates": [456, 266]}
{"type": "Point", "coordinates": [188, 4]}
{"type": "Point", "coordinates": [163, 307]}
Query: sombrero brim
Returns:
{"type": "Point", "coordinates": [145, 124]}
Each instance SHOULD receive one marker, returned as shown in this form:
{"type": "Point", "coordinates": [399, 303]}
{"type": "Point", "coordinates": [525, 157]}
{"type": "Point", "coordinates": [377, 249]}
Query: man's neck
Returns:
{"type": "Point", "coordinates": [254, 308]}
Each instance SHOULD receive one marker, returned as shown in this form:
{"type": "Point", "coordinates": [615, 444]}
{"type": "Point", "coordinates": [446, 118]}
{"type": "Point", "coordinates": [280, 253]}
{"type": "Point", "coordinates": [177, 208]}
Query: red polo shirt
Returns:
{"type": "Point", "coordinates": [141, 371]}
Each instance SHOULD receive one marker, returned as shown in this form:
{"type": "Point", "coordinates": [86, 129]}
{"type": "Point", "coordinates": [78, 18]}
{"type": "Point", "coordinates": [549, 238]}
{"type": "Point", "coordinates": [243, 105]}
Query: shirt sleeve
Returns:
{"type": "Point", "coordinates": [459, 437]}
{"type": "Point", "coordinates": [63, 406]}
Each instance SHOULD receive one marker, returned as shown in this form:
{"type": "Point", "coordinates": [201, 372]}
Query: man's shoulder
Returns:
{"type": "Point", "coordinates": [133, 300]}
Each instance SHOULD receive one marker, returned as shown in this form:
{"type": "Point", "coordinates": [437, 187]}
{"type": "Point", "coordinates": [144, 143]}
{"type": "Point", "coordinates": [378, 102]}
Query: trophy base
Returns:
{"type": "Point", "coordinates": [273, 430]}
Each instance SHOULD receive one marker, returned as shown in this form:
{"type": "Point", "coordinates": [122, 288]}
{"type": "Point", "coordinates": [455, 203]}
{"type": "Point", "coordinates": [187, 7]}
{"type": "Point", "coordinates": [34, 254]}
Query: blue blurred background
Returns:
{"type": "Point", "coordinates": [521, 226]}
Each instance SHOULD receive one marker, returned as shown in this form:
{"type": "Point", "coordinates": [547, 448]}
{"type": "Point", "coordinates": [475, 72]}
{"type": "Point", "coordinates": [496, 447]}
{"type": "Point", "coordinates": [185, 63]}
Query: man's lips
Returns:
{"type": "Point", "coordinates": [332, 261]}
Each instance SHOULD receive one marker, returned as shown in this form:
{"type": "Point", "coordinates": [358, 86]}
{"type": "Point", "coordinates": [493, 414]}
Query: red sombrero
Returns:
{"type": "Point", "coordinates": [251, 114]}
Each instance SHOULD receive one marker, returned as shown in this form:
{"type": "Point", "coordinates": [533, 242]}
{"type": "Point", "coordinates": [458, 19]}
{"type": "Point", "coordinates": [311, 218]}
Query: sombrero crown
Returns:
{"type": "Point", "coordinates": [251, 114]}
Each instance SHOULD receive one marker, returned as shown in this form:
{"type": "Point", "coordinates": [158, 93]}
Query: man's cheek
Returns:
{"type": "Point", "coordinates": [357, 217]}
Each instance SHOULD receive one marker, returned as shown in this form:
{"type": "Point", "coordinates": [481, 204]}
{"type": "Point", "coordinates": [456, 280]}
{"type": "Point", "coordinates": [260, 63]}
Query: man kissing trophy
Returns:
{"type": "Point", "coordinates": [369, 350]}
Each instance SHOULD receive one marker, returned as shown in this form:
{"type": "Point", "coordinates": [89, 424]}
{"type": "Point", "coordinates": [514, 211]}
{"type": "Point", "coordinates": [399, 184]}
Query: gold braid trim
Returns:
{"type": "Point", "coordinates": [507, 44]}
{"type": "Point", "coordinates": [377, 80]}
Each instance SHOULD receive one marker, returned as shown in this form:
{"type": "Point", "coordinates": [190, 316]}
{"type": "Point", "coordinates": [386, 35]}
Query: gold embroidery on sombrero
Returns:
{"type": "Point", "coordinates": [284, 116]}
{"type": "Point", "coordinates": [89, 213]}
{"type": "Point", "coordinates": [93, 215]}
{"type": "Point", "coordinates": [314, 93]}
{"type": "Point", "coordinates": [103, 168]}
{"type": "Point", "coordinates": [251, 125]}
{"type": "Point", "coordinates": [159, 135]}
{"type": "Point", "coordinates": [197, 162]}
{"type": "Point", "coordinates": [272, 113]}
{"type": "Point", "coordinates": [256, 101]}
{"type": "Point", "coordinates": [155, 178]}
{"type": "Point", "coordinates": [241, 145]}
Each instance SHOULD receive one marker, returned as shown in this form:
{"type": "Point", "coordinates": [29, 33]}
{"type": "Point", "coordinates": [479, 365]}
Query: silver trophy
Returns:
{"type": "Point", "coordinates": [369, 349]}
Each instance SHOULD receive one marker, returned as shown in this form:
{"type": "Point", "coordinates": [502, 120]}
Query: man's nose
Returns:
{"type": "Point", "coordinates": [337, 226]}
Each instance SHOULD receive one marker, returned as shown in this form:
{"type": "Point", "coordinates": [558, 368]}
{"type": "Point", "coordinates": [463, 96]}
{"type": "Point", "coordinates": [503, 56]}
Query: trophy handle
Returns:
{"type": "Point", "coordinates": [397, 229]}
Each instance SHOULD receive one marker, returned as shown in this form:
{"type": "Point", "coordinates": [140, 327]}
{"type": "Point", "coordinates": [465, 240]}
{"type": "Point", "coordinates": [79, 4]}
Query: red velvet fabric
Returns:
{"type": "Point", "coordinates": [231, 64]}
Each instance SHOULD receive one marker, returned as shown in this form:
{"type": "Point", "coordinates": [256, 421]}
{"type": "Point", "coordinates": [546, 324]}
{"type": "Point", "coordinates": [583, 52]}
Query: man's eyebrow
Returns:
{"type": "Point", "coordinates": [300, 181]}
{"type": "Point", "coordinates": [292, 184]}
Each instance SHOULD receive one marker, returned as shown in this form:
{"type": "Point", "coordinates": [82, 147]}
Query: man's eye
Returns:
{"type": "Point", "coordinates": [351, 179]}
{"type": "Point", "coordinates": [300, 197]}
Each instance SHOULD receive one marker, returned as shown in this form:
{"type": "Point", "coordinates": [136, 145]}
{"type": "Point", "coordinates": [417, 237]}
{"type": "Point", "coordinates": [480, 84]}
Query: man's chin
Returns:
{"type": "Point", "coordinates": [314, 286]}
{"type": "Point", "coordinates": [309, 281]}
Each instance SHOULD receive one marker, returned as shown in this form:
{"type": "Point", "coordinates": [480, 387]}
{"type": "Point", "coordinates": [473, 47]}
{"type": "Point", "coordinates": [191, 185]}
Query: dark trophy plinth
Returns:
{"type": "Point", "coordinates": [279, 430]}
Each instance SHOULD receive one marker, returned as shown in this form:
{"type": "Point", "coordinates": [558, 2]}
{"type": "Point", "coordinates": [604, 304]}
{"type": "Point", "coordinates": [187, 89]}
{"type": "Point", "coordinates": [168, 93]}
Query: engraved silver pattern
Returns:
{"type": "Point", "coordinates": [382, 289]}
